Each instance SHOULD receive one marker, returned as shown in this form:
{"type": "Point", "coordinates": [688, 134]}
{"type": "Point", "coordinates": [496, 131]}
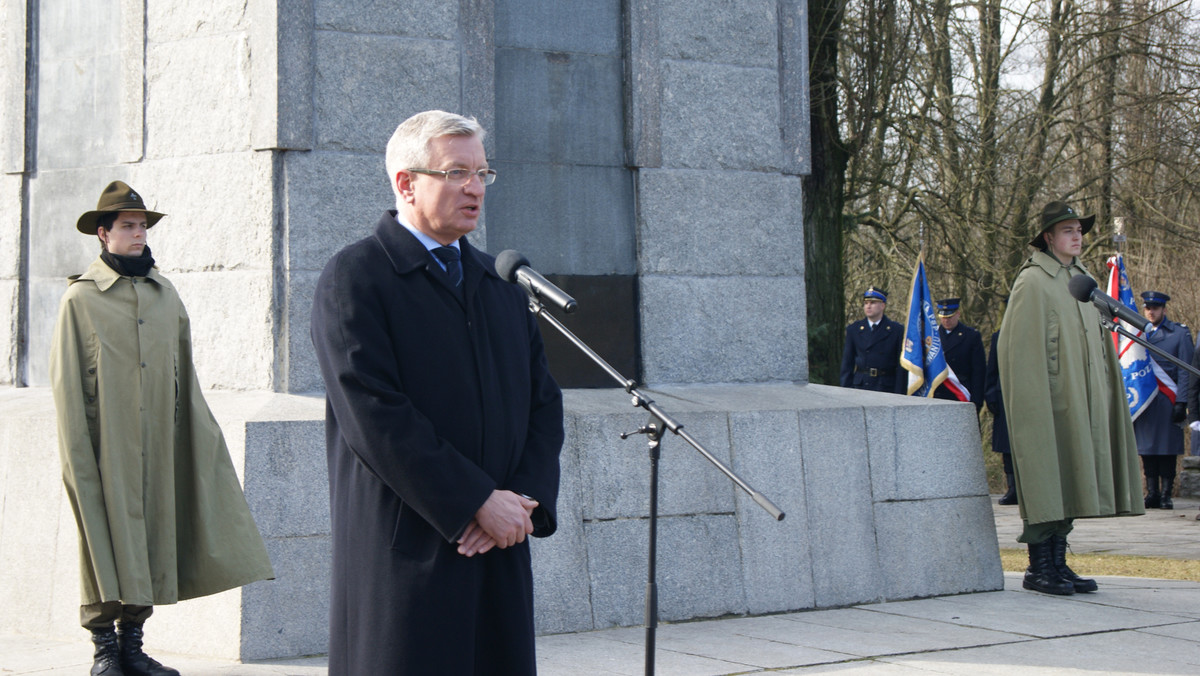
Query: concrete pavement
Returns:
{"type": "Point", "coordinates": [1131, 626]}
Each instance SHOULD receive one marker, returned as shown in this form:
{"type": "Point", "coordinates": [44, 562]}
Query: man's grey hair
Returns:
{"type": "Point", "coordinates": [409, 145]}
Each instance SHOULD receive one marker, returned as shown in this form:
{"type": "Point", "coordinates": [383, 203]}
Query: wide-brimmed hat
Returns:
{"type": "Point", "coordinates": [1056, 212]}
{"type": "Point", "coordinates": [116, 197]}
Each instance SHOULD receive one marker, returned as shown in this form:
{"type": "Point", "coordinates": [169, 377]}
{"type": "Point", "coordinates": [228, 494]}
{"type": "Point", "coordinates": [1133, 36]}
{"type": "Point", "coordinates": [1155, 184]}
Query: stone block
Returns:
{"type": "Point", "coordinates": [583, 224]}
{"type": "Point", "coordinates": [366, 85]}
{"type": "Point", "coordinates": [960, 530]}
{"type": "Point", "coordinates": [44, 297]}
{"type": "Point", "coordinates": [31, 480]}
{"type": "Point", "coordinates": [741, 33]}
{"type": "Point", "coordinates": [303, 372]}
{"type": "Point", "coordinates": [723, 329]}
{"type": "Point", "coordinates": [232, 341]}
{"type": "Point", "coordinates": [776, 558]}
{"type": "Point", "coordinates": [1189, 477]}
{"type": "Point", "coordinates": [561, 590]}
{"type": "Point", "coordinates": [684, 231]}
{"type": "Point", "coordinates": [908, 460]}
{"type": "Point", "coordinates": [617, 471]}
{"type": "Point", "coordinates": [12, 208]}
{"type": "Point", "coordinates": [846, 568]}
{"type": "Point", "coordinates": [720, 117]}
{"type": "Point", "coordinates": [698, 568]}
{"type": "Point", "coordinates": [561, 108]}
{"type": "Point", "coordinates": [10, 297]}
{"type": "Point", "coordinates": [421, 18]}
{"type": "Point", "coordinates": [332, 199]}
{"type": "Point", "coordinates": [12, 87]}
{"type": "Point", "coordinates": [288, 454]}
{"type": "Point", "coordinates": [184, 19]}
{"type": "Point", "coordinates": [546, 25]}
{"type": "Point", "coordinates": [198, 96]}
{"type": "Point", "coordinates": [76, 123]}
{"type": "Point", "coordinates": [289, 616]}
{"type": "Point", "coordinates": [220, 211]}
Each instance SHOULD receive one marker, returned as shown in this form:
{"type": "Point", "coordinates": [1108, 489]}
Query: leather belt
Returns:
{"type": "Point", "coordinates": [874, 373]}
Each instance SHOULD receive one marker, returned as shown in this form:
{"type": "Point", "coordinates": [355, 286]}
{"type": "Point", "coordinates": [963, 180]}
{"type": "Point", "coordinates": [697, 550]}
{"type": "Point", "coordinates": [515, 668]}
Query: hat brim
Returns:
{"type": "Point", "coordinates": [87, 222]}
{"type": "Point", "coordinates": [1085, 223]}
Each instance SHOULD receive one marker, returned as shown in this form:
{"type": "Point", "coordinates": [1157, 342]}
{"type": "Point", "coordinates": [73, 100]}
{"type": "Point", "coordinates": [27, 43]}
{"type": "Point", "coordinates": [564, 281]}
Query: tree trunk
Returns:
{"type": "Point", "coordinates": [824, 199]}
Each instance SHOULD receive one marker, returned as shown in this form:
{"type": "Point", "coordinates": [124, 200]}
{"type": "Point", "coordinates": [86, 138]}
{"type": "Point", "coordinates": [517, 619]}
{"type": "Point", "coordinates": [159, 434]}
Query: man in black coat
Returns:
{"type": "Point", "coordinates": [995, 403]}
{"type": "Point", "coordinates": [963, 347]}
{"type": "Point", "coordinates": [443, 427]}
{"type": "Point", "coordinates": [871, 356]}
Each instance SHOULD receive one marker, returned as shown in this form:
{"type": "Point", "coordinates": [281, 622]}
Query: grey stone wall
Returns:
{"type": "Point", "coordinates": [719, 201]}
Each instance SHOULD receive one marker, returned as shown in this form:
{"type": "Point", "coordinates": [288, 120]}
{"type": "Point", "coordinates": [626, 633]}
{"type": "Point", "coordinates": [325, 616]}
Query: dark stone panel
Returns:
{"type": "Point", "coordinates": [583, 26]}
{"type": "Point", "coordinates": [566, 219]}
{"type": "Point", "coordinates": [559, 107]}
{"type": "Point", "coordinates": [607, 320]}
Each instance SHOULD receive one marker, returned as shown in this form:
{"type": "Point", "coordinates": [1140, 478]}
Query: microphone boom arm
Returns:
{"type": "Point", "coordinates": [642, 401]}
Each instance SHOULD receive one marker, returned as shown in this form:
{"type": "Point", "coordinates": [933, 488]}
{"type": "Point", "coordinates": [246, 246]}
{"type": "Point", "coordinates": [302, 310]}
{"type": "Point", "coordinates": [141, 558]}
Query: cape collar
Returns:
{"type": "Point", "coordinates": [1051, 265]}
{"type": "Point", "coordinates": [104, 276]}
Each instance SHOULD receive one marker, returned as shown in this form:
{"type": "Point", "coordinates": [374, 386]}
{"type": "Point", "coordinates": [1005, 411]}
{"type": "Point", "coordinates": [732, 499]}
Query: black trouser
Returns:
{"type": "Point", "coordinates": [102, 615]}
{"type": "Point", "coordinates": [1160, 466]}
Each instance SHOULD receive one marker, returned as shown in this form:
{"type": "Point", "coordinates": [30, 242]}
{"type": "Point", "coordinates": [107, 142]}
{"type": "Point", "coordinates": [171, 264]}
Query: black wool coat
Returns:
{"type": "Point", "coordinates": [995, 399]}
{"type": "Point", "coordinates": [432, 401]}
{"type": "Point", "coordinates": [963, 348]}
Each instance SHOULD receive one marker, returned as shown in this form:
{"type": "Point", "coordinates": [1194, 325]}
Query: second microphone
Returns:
{"type": "Point", "coordinates": [513, 267]}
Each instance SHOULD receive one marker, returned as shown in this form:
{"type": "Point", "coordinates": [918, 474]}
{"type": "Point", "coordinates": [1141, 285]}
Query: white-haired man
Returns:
{"type": "Point", "coordinates": [443, 427]}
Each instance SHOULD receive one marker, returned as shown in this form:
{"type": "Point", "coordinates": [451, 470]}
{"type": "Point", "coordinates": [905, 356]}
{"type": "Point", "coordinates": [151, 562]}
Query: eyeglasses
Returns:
{"type": "Point", "coordinates": [460, 176]}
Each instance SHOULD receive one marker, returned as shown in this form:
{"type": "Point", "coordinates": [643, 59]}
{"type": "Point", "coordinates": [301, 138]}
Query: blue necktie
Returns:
{"type": "Point", "coordinates": [450, 256]}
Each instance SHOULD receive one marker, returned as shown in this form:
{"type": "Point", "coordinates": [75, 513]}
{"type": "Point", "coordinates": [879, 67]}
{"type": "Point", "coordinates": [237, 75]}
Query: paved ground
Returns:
{"type": "Point", "coordinates": [1131, 626]}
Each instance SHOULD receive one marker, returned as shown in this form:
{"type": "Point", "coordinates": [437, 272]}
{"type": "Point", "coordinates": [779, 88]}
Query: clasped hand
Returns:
{"type": "Point", "coordinates": [503, 521]}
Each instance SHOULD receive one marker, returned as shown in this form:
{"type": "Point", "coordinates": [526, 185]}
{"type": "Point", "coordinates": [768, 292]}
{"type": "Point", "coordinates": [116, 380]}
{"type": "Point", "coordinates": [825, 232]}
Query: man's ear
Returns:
{"type": "Point", "coordinates": [404, 185]}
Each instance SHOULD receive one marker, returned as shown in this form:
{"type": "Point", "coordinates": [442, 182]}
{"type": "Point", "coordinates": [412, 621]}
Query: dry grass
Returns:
{"type": "Point", "coordinates": [1016, 560]}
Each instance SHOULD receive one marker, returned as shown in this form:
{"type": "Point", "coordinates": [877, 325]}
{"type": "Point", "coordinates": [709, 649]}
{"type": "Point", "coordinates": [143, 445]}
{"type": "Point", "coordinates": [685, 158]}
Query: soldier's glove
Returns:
{"type": "Point", "coordinates": [1179, 413]}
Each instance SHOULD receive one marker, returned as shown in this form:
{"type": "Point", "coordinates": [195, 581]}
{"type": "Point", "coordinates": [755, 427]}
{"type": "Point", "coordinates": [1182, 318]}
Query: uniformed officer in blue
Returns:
{"type": "Point", "coordinates": [871, 357]}
{"type": "Point", "coordinates": [1158, 431]}
{"type": "Point", "coordinates": [963, 347]}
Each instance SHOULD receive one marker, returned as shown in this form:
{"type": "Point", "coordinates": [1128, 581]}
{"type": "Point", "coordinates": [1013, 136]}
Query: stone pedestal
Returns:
{"type": "Point", "coordinates": [886, 499]}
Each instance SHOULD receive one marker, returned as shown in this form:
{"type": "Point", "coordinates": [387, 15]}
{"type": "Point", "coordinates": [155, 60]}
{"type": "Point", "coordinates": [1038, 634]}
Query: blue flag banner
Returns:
{"type": "Point", "coordinates": [1138, 370]}
{"type": "Point", "coordinates": [923, 357]}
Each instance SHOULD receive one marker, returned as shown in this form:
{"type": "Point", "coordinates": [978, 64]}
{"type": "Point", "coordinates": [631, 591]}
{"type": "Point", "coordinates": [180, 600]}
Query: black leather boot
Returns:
{"type": "Point", "coordinates": [107, 657]}
{"type": "Point", "coordinates": [1168, 487]}
{"type": "Point", "coordinates": [1041, 575]}
{"type": "Point", "coordinates": [1153, 497]}
{"type": "Point", "coordinates": [1058, 546]}
{"type": "Point", "coordinates": [134, 662]}
{"type": "Point", "coordinates": [1010, 497]}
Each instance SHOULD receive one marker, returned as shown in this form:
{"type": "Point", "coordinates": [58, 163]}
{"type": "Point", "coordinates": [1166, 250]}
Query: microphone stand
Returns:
{"type": "Point", "coordinates": [659, 422]}
{"type": "Point", "coordinates": [1112, 324]}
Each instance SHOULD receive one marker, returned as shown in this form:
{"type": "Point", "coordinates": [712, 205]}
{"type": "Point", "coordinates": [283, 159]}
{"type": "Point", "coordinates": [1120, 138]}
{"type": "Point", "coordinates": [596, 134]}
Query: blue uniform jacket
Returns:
{"type": "Point", "coordinates": [871, 359]}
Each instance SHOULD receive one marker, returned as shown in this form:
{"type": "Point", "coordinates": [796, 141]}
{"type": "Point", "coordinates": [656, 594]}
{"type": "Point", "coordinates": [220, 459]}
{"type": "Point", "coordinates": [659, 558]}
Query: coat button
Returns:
{"type": "Point", "coordinates": [141, 321]}
{"type": "Point", "coordinates": [143, 364]}
{"type": "Point", "coordinates": [92, 371]}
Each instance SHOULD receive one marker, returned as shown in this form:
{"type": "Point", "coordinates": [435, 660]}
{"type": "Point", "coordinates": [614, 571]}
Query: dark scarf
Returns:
{"type": "Point", "coordinates": [129, 266]}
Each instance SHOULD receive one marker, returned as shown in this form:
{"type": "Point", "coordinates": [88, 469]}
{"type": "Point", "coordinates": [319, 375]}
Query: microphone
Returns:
{"type": "Point", "coordinates": [513, 267]}
{"type": "Point", "coordinates": [1083, 288]}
